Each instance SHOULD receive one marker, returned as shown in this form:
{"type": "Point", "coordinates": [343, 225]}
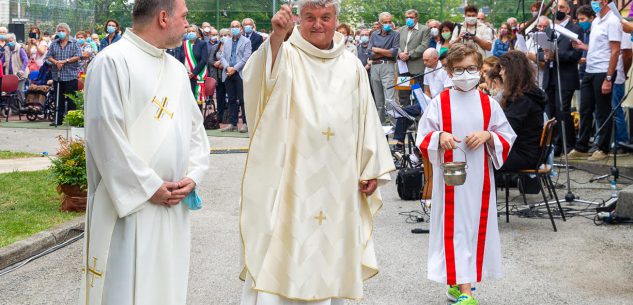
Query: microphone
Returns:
{"type": "Point", "coordinates": [416, 77]}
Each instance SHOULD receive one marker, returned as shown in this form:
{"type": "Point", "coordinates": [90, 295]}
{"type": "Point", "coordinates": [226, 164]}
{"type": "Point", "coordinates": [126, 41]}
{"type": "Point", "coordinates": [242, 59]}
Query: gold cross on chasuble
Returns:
{"type": "Point", "coordinates": [321, 217]}
{"type": "Point", "coordinates": [162, 109]}
{"type": "Point", "coordinates": [92, 272]}
{"type": "Point", "coordinates": [328, 133]}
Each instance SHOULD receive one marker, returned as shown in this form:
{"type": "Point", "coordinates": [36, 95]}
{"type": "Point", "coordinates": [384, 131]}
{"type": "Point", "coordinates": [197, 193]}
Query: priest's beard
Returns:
{"type": "Point", "coordinates": [174, 40]}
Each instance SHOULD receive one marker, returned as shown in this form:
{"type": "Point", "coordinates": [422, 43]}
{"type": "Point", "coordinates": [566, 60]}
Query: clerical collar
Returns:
{"type": "Point", "coordinates": [142, 44]}
{"type": "Point", "coordinates": [338, 45]}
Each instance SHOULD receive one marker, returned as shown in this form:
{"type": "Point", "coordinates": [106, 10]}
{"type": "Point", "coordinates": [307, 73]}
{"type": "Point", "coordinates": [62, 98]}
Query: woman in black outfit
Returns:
{"type": "Point", "coordinates": [523, 103]}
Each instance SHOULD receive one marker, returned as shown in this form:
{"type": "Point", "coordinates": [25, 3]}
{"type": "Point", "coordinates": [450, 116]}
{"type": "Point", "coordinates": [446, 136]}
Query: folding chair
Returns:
{"type": "Point", "coordinates": [542, 170]}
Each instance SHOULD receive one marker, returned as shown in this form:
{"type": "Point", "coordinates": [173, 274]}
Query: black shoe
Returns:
{"type": "Point", "coordinates": [398, 148]}
{"type": "Point", "coordinates": [52, 124]}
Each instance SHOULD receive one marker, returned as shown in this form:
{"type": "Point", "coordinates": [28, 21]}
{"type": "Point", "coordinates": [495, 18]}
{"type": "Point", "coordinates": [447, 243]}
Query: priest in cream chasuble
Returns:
{"type": "Point", "coordinates": [306, 224]}
{"type": "Point", "coordinates": [144, 136]}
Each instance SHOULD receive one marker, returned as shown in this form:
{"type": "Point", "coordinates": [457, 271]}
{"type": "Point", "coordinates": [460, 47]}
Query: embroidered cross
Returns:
{"type": "Point", "coordinates": [162, 109]}
{"type": "Point", "coordinates": [92, 272]}
{"type": "Point", "coordinates": [320, 217]}
{"type": "Point", "coordinates": [328, 133]}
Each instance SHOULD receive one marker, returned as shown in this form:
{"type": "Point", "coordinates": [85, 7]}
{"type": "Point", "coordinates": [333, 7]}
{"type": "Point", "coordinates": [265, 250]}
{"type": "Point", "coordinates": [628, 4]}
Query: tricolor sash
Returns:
{"type": "Point", "coordinates": [191, 62]}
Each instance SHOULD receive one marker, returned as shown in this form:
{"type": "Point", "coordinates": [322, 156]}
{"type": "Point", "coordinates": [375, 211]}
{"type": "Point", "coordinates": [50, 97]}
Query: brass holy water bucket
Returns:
{"type": "Point", "coordinates": [454, 172]}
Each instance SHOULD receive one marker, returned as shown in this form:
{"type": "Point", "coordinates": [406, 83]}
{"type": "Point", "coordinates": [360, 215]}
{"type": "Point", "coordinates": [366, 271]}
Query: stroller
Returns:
{"type": "Point", "coordinates": [40, 96]}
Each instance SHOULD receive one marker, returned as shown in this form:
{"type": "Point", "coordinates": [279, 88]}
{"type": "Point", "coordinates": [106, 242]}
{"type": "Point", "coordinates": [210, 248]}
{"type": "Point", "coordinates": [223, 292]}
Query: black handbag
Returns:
{"type": "Point", "coordinates": [410, 182]}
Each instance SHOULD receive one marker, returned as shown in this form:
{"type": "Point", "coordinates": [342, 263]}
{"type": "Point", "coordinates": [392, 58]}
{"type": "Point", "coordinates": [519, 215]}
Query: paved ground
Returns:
{"type": "Point", "coordinates": [580, 264]}
{"type": "Point", "coordinates": [24, 164]}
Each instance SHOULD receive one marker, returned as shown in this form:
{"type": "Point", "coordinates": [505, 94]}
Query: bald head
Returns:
{"type": "Point", "coordinates": [430, 57]}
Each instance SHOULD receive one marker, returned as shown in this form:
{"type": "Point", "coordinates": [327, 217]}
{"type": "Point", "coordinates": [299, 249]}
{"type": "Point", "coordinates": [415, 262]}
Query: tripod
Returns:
{"type": "Point", "coordinates": [615, 172]}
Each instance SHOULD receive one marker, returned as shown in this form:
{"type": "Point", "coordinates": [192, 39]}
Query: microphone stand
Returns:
{"type": "Point", "coordinates": [417, 76]}
{"type": "Point", "coordinates": [615, 172]}
{"type": "Point", "coordinates": [569, 197]}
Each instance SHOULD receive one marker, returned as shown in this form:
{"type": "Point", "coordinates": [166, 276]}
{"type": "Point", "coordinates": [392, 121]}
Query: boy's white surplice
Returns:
{"type": "Point", "coordinates": [464, 238]}
{"type": "Point", "coordinates": [143, 127]}
{"type": "Point", "coordinates": [306, 228]}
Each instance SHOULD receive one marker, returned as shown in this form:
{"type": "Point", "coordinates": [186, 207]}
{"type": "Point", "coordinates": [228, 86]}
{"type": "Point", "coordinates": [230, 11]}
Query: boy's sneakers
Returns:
{"type": "Point", "coordinates": [465, 299]}
{"type": "Point", "coordinates": [453, 293]}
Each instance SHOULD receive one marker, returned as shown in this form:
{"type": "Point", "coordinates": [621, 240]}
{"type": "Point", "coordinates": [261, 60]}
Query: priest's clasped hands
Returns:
{"type": "Point", "coordinates": [473, 140]}
{"type": "Point", "coordinates": [172, 193]}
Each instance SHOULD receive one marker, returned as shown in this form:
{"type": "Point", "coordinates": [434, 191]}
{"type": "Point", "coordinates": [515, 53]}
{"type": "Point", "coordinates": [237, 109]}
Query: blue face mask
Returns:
{"type": "Point", "coordinates": [410, 22]}
{"type": "Point", "coordinates": [585, 25]}
{"type": "Point", "coordinates": [248, 29]}
{"type": "Point", "coordinates": [386, 27]}
{"type": "Point", "coordinates": [235, 31]}
{"type": "Point", "coordinates": [89, 39]}
{"type": "Point", "coordinates": [364, 39]}
{"type": "Point", "coordinates": [11, 44]}
{"type": "Point", "coordinates": [110, 29]}
{"type": "Point", "coordinates": [2, 37]}
{"type": "Point", "coordinates": [61, 35]}
{"type": "Point", "coordinates": [191, 36]}
{"type": "Point", "coordinates": [595, 5]}
{"type": "Point", "coordinates": [81, 41]}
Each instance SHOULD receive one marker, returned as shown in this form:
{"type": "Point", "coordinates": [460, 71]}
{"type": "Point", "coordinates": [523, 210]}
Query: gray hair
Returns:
{"type": "Point", "coordinates": [384, 15]}
{"type": "Point", "coordinates": [248, 19]}
{"type": "Point", "coordinates": [3, 30]}
{"type": "Point", "coordinates": [63, 26]}
{"type": "Point", "coordinates": [319, 3]}
{"type": "Point", "coordinates": [544, 18]}
{"type": "Point", "coordinates": [8, 36]}
{"type": "Point", "coordinates": [412, 11]}
{"type": "Point", "coordinates": [144, 10]}
{"type": "Point", "coordinates": [223, 32]}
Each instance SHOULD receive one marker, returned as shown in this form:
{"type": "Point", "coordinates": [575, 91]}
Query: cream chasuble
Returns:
{"type": "Point", "coordinates": [305, 227]}
{"type": "Point", "coordinates": [464, 244]}
{"type": "Point", "coordinates": [143, 127]}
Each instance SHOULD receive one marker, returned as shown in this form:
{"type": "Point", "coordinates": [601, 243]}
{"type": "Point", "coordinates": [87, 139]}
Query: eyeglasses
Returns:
{"type": "Point", "coordinates": [470, 69]}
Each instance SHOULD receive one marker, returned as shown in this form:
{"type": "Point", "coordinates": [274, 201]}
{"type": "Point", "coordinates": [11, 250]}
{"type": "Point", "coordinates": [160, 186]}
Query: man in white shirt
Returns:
{"type": "Point", "coordinates": [597, 84]}
{"type": "Point", "coordinates": [436, 80]}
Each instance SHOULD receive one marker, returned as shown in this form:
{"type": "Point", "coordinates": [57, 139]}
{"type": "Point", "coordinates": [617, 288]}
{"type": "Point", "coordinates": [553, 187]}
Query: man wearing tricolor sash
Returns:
{"type": "Point", "coordinates": [146, 152]}
{"type": "Point", "coordinates": [464, 241]}
{"type": "Point", "coordinates": [195, 58]}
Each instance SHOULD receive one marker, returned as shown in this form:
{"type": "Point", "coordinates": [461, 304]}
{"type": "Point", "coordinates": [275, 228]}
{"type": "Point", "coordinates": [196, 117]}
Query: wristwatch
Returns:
{"type": "Point", "coordinates": [609, 78]}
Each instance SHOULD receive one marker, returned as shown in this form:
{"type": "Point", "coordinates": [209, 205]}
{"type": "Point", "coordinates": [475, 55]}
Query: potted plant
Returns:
{"type": "Point", "coordinates": [69, 171]}
{"type": "Point", "coordinates": [75, 118]}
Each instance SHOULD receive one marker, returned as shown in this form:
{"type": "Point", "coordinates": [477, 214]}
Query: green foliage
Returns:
{"type": "Point", "coordinates": [78, 98]}
{"type": "Point", "coordinates": [75, 118]}
{"type": "Point", "coordinates": [29, 204]}
{"type": "Point", "coordinates": [70, 165]}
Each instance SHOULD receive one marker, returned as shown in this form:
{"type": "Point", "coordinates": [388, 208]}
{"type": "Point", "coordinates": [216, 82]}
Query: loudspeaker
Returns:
{"type": "Point", "coordinates": [18, 30]}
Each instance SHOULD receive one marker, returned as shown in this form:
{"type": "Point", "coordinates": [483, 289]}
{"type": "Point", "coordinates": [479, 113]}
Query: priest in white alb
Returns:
{"type": "Point", "coordinates": [317, 155]}
{"type": "Point", "coordinates": [464, 124]}
{"type": "Point", "coordinates": [146, 152]}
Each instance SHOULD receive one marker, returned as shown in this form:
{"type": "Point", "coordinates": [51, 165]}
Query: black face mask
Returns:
{"type": "Point", "coordinates": [560, 16]}
{"type": "Point", "coordinates": [33, 35]}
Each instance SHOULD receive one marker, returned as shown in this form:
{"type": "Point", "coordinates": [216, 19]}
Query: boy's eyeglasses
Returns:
{"type": "Point", "coordinates": [469, 69]}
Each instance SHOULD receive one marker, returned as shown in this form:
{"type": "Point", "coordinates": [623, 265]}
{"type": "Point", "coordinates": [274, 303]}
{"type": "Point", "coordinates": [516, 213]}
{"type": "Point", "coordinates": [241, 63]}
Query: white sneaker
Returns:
{"type": "Point", "coordinates": [230, 128]}
{"type": "Point", "coordinates": [598, 155]}
{"type": "Point", "coordinates": [244, 129]}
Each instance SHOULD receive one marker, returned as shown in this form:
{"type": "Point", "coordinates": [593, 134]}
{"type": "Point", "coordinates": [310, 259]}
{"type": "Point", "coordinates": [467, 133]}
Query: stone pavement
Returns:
{"type": "Point", "coordinates": [24, 164]}
{"type": "Point", "coordinates": [580, 264]}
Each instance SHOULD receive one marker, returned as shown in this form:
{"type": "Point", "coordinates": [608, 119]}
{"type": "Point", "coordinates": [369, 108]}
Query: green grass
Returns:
{"type": "Point", "coordinates": [29, 204]}
{"type": "Point", "coordinates": [5, 154]}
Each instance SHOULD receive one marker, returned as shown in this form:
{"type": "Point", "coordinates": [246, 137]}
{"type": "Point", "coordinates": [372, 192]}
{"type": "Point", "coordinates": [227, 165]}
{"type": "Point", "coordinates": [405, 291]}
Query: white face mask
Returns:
{"type": "Point", "coordinates": [466, 82]}
{"type": "Point", "coordinates": [470, 20]}
{"type": "Point", "coordinates": [435, 32]}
